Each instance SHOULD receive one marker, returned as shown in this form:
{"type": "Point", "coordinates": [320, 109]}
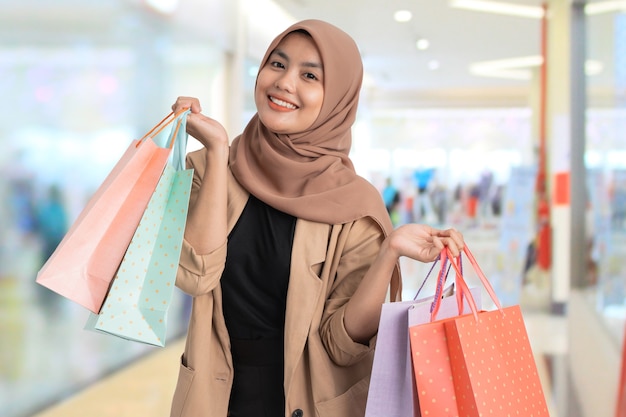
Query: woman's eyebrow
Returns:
{"type": "Point", "coordinates": [308, 64]}
{"type": "Point", "coordinates": [313, 65]}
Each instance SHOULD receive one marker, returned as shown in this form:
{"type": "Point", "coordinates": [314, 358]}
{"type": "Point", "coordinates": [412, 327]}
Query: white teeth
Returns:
{"type": "Point", "coordinates": [283, 103]}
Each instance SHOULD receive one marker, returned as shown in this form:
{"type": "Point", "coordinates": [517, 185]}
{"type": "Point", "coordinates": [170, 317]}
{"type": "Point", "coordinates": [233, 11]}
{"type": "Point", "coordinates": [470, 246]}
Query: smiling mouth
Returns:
{"type": "Point", "coordinates": [282, 103]}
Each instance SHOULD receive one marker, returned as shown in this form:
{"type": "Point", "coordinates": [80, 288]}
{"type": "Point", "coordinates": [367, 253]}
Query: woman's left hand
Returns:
{"type": "Point", "coordinates": [416, 241]}
{"type": "Point", "coordinates": [423, 243]}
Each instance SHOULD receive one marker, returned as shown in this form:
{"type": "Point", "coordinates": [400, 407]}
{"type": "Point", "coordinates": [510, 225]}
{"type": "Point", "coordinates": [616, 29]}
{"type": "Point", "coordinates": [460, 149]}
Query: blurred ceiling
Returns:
{"type": "Point", "coordinates": [458, 39]}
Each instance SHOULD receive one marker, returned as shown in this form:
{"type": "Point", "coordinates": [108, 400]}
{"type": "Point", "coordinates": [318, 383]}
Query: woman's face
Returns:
{"type": "Point", "coordinates": [290, 86]}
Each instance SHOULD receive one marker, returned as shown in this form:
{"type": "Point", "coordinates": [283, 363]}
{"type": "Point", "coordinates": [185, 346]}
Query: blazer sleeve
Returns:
{"type": "Point", "coordinates": [200, 274]}
{"type": "Point", "coordinates": [359, 244]}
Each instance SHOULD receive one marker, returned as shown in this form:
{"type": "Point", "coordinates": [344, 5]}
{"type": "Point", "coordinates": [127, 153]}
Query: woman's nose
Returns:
{"type": "Point", "coordinates": [286, 81]}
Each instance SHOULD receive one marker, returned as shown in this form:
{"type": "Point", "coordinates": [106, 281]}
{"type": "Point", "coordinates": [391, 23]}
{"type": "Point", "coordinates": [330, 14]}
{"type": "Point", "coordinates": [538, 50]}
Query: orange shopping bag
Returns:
{"type": "Point", "coordinates": [84, 264]}
{"type": "Point", "coordinates": [430, 360]}
{"type": "Point", "coordinates": [476, 364]}
{"type": "Point", "coordinates": [420, 314]}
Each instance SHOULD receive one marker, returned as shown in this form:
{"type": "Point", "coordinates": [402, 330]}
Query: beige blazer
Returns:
{"type": "Point", "coordinates": [326, 373]}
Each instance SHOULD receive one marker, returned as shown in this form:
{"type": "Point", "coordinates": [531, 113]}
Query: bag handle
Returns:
{"type": "Point", "coordinates": [158, 128]}
{"type": "Point", "coordinates": [457, 264]}
{"type": "Point", "coordinates": [481, 275]}
{"type": "Point", "coordinates": [178, 142]}
{"type": "Point", "coordinates": [419, 290]}
{"type": "Point", "coordinates": [463, 291]}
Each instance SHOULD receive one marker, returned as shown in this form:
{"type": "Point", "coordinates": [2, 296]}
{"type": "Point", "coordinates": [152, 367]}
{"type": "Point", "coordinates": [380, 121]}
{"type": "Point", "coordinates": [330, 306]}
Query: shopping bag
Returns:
{"type": "Point", "coordinates": [84, 263]}
{"type": "Point", "coordinates": [391, 390]}
{"type": "Point", "coordinates": [392, 387]}
{"type": "Point", "coordinates": [137, 303]}
{"type": "Point", "coordinates": [485, 354]}
{"type": "Point", "coordinates": [431, 371]}
{"type": "Point", "coordinates": [421, 314]}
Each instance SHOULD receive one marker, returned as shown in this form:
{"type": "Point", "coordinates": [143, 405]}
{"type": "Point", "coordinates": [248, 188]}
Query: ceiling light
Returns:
{"type": "Point", "coordinates": [403, 16]}
{"type": "Point", "coordinates": [520, 68]}
{"type": "Point", "coordinates": [512, 68]}
{"type": "Point", "coordinates": [422, 44]}
{"type": "Point", "coordinates": [605, 7]}
{"type": "Point", "coordinates": [499, 8]}
{"type": "Point", "coordinates": [536, 12]}
{"type": "Point", "coordinates": [163, 6]}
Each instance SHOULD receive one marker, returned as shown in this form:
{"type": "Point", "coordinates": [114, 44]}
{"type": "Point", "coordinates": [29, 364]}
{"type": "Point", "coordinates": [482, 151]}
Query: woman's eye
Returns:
{"type": "Point", "coordinates": [277, 64]}
{"type": "Point", "coordinates": [310, 76]}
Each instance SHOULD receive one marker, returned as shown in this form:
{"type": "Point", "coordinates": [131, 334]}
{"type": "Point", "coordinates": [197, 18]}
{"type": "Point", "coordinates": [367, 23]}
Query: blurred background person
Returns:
{"type": "Point", "coordinates": [51, 226]}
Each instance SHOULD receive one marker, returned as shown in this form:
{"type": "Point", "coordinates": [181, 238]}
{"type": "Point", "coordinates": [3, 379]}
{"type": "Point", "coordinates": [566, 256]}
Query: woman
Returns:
{"type": "Point", "coordinates": [288, 254]}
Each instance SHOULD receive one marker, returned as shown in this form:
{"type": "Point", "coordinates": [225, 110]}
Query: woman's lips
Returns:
{"type": "Point", "coordinates": [281, 105]}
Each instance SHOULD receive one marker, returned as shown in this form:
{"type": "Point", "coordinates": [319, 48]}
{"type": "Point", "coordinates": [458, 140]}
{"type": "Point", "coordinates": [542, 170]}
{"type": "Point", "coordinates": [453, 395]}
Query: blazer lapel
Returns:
{"type": "Point", "coordinates": [237, 199]}
{"type": "Point", "coordinates": [310, 248]}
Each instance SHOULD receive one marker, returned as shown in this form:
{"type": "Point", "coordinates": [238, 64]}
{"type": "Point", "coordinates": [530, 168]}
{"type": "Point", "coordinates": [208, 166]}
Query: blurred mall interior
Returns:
{"type": "Point", "coordinates": [529, 163]}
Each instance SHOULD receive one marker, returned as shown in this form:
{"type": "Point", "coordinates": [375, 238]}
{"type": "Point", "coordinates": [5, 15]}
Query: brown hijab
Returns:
{"type": "Point", "coordinates": [309, 174]}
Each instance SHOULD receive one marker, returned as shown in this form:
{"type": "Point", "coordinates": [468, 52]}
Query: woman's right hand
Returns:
{"type": "Point", "coordinates": [207, 131]}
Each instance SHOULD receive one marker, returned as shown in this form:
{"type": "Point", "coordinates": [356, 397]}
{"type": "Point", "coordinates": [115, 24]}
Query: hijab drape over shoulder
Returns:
{"type": "Point", "coordinates": [308, 174]}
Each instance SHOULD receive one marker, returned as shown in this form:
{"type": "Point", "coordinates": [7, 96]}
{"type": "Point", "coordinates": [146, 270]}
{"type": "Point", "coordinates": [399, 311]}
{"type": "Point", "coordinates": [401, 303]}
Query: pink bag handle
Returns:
{"type": "Point", "coordinates": [482, 277]}
{"type": "Point", "coordinates": [441, 278]}
{"type": "Point", "coordinates": [463, 290]}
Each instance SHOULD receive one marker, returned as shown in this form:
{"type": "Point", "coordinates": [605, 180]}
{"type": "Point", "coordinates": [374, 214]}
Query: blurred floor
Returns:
{"type": "Point", "coordinates": [143, 388]}
{"type": "Point", "coordinates": [51, 367]}
{"type": "Point", "coordinates": [45, 354]}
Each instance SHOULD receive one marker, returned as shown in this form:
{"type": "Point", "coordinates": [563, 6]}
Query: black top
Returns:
{"type": "Point", "coordinates": [256, 275]}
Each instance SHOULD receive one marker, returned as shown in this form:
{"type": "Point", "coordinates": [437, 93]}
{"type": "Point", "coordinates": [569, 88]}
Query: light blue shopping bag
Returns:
{"type": "Point", "coordinates": [138, 300]}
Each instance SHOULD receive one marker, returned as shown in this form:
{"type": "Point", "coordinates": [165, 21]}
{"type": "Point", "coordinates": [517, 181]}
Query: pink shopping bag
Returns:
{"type": "Point", "coordinates": [84, 264]}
